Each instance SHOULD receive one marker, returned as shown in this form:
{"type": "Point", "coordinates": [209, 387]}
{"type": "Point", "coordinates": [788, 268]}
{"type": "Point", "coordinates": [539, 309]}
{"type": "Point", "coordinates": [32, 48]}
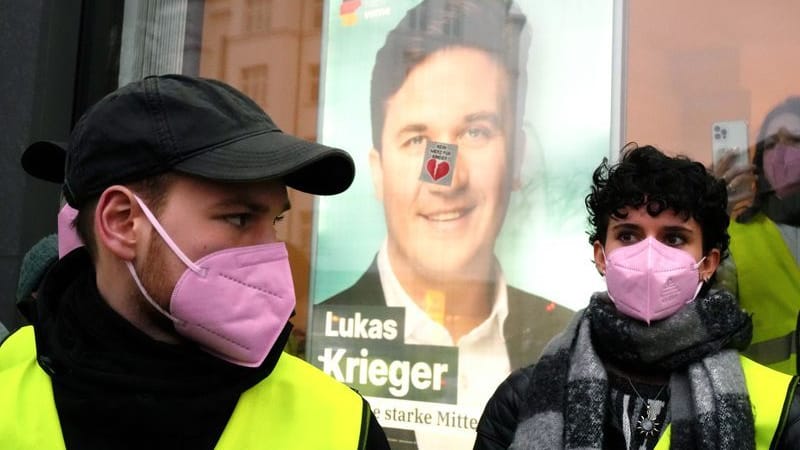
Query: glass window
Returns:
{"type": "Point", "coordinates": [258, 14]}
{"type": "Point", "coordinates": [313, 86]}
{"type": "Point", "coordinates": [255, 83]}
{"type": "Point", "coordinates": [582, 79]}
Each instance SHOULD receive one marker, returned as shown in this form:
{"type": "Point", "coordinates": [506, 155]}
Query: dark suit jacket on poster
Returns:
{"type": "Point", "coordinates": [530, 324]}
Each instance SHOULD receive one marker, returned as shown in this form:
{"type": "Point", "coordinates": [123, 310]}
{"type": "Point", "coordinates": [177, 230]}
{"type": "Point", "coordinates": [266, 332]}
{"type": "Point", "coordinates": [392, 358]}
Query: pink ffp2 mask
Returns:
{"type": "Point", "coordinates": [68, 239]}
{"type": "Point", "coordinates": [234, 303]}
{"type": "Point", "coordinates": [782, 169]}
{"type": "Point", "coordinates": [650, 281]}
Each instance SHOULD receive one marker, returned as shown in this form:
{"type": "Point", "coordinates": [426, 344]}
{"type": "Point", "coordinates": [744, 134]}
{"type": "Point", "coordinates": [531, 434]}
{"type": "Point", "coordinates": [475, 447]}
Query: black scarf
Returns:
{"type": "Point", "coordinates": [115, 387]}
{"type": "Point", "coordinates": [565, 404]}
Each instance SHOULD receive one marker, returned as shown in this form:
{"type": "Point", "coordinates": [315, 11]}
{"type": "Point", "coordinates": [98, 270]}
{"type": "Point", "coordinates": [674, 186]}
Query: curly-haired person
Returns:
{"type": "Point", "coordinates": [653, 362]}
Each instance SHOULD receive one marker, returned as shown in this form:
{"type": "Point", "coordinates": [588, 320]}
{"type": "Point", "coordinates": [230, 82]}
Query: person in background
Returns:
{"type": "Point", "coordinates": [35, 264]}
{"type": "Point", "coordinates": [653, 362]}
{"type": "Point", "coordinates": [166, 329]}
{"type": "Point", "coordinates": [765, 242]}
{"type": "Point", "coordinates": [45, 161]}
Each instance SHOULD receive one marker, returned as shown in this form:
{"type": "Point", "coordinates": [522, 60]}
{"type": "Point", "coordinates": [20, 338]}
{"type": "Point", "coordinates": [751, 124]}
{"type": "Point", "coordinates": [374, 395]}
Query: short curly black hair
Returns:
{"type": "Point", "coordinates": [647, 177]}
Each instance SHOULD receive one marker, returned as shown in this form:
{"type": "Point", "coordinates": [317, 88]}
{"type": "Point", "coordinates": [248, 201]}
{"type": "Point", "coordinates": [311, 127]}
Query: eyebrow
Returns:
{"type": "Point", "coordinates": [491, 117]}
{"type": "Point", "coordinates": [412, 128]}
{"type": "Point", "coordinates": [674, 228]}
{"type": "Point", "coordinates": [625, 225]}
{"type": "Point", "coordinates": [668, 228]}
{"type": "Point", "coordinates": [792, 133]}
{"type": "Point", "coordinates": [251, 204]}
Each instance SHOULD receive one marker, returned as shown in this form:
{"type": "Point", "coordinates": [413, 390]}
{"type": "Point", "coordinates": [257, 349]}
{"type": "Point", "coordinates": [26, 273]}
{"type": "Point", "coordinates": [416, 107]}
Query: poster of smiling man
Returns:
{"type": "Point", "coordinates": [459, 251]}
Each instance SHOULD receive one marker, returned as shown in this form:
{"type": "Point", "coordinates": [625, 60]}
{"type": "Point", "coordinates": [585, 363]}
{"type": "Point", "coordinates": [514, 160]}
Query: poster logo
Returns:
{"type": "Point", "coordinates": [347, 12]}
{"type": "Point", "coordinates": [439, 163]}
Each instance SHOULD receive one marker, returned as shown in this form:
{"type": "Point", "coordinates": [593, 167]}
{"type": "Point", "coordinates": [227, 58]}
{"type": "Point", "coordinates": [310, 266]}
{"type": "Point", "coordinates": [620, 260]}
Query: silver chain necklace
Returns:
{"type": "Point", "coordinates": [647, 425]}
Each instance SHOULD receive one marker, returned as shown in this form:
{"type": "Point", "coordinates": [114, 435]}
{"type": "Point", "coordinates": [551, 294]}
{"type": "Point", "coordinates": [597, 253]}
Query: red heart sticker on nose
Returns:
{"type": "Point", "coordinates": [437, 169]}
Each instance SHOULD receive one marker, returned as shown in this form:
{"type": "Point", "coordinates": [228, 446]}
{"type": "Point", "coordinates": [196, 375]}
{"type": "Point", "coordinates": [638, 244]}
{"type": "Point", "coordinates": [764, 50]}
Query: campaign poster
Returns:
{"type": "Point", "coordinates": [461, 247]}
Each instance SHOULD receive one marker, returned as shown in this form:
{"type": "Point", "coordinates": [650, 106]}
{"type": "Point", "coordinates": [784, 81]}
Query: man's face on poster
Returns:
{"type": "Point", "coordinates": [457, 96]}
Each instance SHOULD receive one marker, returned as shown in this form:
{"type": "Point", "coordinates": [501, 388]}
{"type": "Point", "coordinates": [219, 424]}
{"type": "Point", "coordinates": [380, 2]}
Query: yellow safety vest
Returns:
{"type": "Point", "coordinates": [767, 389]}
{"type": "Point", "coordinates": [296, 407]}
{"type": "Point", "coordinates": [769, 288]}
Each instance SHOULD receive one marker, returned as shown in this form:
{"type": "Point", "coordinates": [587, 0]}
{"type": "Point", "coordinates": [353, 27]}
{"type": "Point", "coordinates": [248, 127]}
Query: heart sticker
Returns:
{"type": "Point", "coordinates": [437, 169]}
{"type": "Point", "coordinates": [438, 163]}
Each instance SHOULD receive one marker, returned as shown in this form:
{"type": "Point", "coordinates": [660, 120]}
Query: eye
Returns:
{"type": "Point", "coordinates": [415, 141]}
{"type": "Point", "coordinates": [278, 219]}
{"type": "Point", "coordinates": [476, 135]}
{"type": "Point", "coordinates": [238, 220]}
{"type": "Point", "coordinates": [674, 240]}
{"type": "Point", "coordinates": [626, 237]}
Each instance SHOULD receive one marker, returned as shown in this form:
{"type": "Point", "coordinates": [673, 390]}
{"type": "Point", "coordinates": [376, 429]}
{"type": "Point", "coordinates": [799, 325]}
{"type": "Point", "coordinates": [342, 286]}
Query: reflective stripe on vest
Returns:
{"type": "Point", "coordinates": [767, 389]}
{"type": "Point", "coordinates": [775, 351]}
{"type": "Point", "coordinates": [296, 407]}
{"type": "Point", "coordinates": [769, 288]}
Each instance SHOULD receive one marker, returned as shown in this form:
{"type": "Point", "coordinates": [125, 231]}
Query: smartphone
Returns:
{"type": "Point", "coordinates": [730, 136]}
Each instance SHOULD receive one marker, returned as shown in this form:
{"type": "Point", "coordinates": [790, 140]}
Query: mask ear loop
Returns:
{"type": "Point", "coordinates": [147, 295]}
{"type": "Point", "coordinates": [699, 282]}
{"type": "Point", "coordinates": [174, 247]}
{"type": "Point", "coordinates": [602, 273]}
{"type": "Point", "coordinates": [168, 240]}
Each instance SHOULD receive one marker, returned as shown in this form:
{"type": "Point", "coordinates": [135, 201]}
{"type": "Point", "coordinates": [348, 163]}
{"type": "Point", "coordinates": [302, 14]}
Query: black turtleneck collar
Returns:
{"type": "Point", "coordinates": [114, 386]}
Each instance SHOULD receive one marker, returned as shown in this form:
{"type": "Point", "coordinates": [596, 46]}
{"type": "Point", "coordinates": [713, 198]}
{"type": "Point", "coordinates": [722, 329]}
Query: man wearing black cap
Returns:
{"type": "Point", "coordinates": [166, 329]}
{"type": "Point", "coordinates": [44, 160]}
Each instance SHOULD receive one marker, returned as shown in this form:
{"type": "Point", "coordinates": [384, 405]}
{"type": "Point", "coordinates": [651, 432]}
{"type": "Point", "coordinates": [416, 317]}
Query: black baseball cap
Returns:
{"type": "Point", "coordinates": [196, 126]}
{"type": "Point", "coordinates": [45, 160]}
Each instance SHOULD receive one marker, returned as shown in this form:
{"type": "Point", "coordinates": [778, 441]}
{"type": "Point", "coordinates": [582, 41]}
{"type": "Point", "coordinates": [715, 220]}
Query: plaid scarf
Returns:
{"type": "Point", "coordinates": [565, 403]}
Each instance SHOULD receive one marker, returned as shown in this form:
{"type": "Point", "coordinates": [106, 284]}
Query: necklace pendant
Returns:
{"type": "Point", "coordinates": [647, 425]}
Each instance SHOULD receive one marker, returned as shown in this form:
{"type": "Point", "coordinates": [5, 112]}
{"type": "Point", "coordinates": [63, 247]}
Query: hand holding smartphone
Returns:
{"type": "Point", "coordinates": [732, 163]}
{"type": "Point", "coordinates": [730, 137]}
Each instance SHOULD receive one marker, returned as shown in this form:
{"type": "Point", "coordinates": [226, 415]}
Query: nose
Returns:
{"type": "Point", "coordinates": [461, 173]}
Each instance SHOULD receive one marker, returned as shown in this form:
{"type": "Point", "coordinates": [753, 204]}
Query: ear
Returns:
{"type": "Point", "coordinates": [376, 168]}
{"type": "Point", "coordinates": [710, 264]}
{"type": "Point", "coordinates": [114, 222]}
{"type": "Point", "coordinates": [599, 258]}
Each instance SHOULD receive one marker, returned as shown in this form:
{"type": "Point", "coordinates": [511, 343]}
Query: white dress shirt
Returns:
{"type": "Point", "coordinates": [482, 355]}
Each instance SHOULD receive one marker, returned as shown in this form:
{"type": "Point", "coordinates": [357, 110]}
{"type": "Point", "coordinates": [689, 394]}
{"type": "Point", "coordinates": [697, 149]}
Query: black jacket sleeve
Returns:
{"type": "Point", "coordinates": [372, 437]}
{"type": "Point", "coordinates": [788, 435]}
{"type": "Point", "coordinates": [500, 417]}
